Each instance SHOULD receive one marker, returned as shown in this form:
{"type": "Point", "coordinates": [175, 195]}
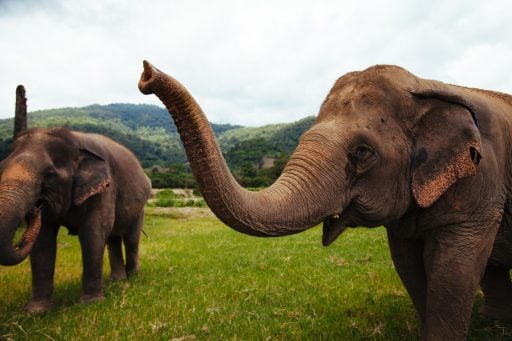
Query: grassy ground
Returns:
{"type": "Point", "coordinates": [201, 280]}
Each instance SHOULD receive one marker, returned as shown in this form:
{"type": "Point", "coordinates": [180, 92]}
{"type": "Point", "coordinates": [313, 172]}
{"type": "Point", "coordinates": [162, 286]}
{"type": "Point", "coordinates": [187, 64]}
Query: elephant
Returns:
{"type": "Point", "coordinates": [88, 183]}
{"type": "Point", "coordinates": [427, 160]}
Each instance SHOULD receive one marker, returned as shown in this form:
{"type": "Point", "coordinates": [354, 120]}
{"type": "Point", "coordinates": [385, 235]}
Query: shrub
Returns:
{"type": "Point", "coordinates": [167, 198]}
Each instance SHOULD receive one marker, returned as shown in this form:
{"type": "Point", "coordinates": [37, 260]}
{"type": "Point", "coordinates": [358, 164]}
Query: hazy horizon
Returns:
{"type": "Point", "coordinates": [30, 112]}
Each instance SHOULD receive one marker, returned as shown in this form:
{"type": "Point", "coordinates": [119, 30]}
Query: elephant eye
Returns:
{"type": "Point", "coordinates": [361, 153]}
{"type": "Point", "coordinates": [51, 173]}
{"type": "Point", "coordinates": [363, 157]}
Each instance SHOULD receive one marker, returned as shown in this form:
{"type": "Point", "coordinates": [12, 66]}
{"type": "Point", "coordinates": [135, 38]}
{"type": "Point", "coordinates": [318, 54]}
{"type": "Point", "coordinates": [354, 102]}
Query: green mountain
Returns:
{"type": "Point", "coordinates": [257, 156]}
{"type": "Point", "coordinates": [150, 133]}
{"type": "Point", "coordinates": [147, 130]}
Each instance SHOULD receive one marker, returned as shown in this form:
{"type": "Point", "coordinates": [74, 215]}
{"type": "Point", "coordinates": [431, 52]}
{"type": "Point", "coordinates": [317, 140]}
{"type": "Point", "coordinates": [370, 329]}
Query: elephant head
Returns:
{"type": "Point", "coordinates": [384, 142]}
{"type": "Point", "coordinates": [47, 172]}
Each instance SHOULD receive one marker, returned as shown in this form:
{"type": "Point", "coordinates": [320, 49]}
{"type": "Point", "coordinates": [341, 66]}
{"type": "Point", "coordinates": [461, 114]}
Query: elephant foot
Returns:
{"type": "Point", "coordinates": [499, 313]}
{"type": "Point", "coordinates": [39, 306]}
{"type": "Point", "coordinates": [91, 298]}
{"type": "Point", "coordinates": [119, 276]}
{"type": "Point", "coordinates": [132, 272]}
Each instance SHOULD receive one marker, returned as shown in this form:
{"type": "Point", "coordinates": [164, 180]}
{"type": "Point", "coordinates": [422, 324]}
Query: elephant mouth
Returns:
{"type": "Point", "coordinates": [333, 226]}
{"type": "Point", "coordinates": [27, 240]}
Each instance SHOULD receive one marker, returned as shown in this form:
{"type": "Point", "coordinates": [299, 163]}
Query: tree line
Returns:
{"type": "Point", "coordinates": [151, 135]}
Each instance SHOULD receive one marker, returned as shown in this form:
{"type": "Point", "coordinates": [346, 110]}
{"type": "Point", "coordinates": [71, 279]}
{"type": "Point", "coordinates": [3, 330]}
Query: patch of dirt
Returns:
{"type": "Point", "coordinates": [180, 212]}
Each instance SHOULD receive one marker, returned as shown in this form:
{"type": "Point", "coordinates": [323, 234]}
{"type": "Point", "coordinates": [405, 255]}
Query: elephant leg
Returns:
{"type": "Point", "coordinates": [455, 258]}
{"type": "Point", "coordinates": [93, 247]}
{"type": "Point", "coordinates": [497, 289]}
{"type": "Point", "coordinates": [407, 257]}
{"type": "Point", "coordinates": [131, 243]}
{"type": "Point", "coordinates": [115, 256]}
{"type": "Point", "coordinates": [42, 263]}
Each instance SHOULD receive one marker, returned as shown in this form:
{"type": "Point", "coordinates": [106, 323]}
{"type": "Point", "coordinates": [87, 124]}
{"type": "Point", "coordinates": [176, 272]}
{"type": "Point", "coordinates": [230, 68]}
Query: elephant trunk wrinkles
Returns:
{"type": "Point", "coordinates": [16, 205]}
{"type": "Point", "coordinates": [299, 199]}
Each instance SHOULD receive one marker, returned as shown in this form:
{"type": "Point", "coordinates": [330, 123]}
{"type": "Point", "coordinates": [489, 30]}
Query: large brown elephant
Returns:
{"type": "Point", "coordinates": [86, 182]}
{"type": "Point", "coordinates": [430, 161]}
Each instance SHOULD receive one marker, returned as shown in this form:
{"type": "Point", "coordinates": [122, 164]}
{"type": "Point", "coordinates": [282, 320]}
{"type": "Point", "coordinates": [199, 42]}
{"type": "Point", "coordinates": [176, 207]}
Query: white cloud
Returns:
{"type": "Point", "coordinates": [486, 65]}
{"type": "Point", "coordinates": [248, 63]}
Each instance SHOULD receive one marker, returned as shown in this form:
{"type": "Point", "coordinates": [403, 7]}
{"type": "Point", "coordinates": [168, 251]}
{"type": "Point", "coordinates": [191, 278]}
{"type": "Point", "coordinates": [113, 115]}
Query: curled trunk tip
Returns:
{"type": "Point", "coordinates": [10, 255]}
{"type": "Point", "coordinates": [146, 82]}
{"type": "Point", "coordinates": [24, 246]}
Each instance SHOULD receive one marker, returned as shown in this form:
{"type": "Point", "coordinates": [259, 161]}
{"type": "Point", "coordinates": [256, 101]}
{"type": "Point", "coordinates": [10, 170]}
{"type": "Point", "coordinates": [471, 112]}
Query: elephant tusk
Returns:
{"type": "Point", "coordinates": [335, 216]}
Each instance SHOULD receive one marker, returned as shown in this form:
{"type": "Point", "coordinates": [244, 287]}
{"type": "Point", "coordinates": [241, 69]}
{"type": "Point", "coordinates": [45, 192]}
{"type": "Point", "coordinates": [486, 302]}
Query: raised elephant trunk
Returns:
{"type": "Point", "coordinates": [302, 196]}
{"type": "Point", "coordinates": [17, 204]}
{"type": "Point", "coordinates": [20, 114]}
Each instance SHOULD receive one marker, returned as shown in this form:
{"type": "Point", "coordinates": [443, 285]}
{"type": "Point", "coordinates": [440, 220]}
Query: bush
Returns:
{"type": "Point", "coordinates": [167, 198]}
{"type": "Point", "coordinates": [200, 203]}
{"type": "Point", "coordinates": [176, 176]}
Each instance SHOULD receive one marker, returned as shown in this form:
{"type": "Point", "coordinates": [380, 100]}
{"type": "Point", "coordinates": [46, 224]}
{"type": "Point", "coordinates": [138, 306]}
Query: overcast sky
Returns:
{"type": "Point", "coordinates": [246, 62]}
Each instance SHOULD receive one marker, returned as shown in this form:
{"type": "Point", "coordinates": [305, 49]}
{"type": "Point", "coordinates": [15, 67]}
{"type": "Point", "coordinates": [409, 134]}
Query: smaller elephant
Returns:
{"type": "Point", "coordinates": [88, 183]}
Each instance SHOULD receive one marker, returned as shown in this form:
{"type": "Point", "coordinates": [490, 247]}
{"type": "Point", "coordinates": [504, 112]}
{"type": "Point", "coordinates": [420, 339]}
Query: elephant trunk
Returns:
{"type": "Point", "coordinates": [20, 114]}
{"type": "Point", "coordinates": [16, 205]}
{"type": "Point", "coordinates": [303, 196]}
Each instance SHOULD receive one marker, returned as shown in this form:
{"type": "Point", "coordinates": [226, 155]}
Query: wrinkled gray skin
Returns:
{"type": "Point", "coordinates": [428, 160]}
{"type": "Point", "coordinates": [85, 182]}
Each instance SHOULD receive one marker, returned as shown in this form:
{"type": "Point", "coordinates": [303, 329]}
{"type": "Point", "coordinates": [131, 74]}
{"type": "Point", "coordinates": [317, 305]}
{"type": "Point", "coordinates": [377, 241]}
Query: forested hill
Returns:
{"type": "Point", "coordinates": [149, 132]}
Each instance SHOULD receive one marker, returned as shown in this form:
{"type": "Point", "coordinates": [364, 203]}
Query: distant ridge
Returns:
{"type": "Point", "coordinates": [150, 133]}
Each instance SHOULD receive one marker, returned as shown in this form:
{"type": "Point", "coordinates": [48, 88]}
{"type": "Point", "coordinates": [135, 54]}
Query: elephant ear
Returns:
{"type": "Point", "coordinates": [447, 146]}
{"type": "Point", "coordinates": [92, 176]}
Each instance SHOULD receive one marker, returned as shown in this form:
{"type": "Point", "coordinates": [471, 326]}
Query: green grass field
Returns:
{"type": "Point", "coordinates": [201, 280]}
